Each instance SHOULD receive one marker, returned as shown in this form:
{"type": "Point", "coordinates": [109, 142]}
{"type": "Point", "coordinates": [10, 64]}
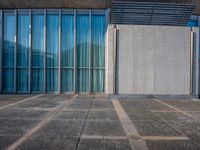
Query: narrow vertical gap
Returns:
{"type": "Point", "coordinates": [191, 60]}
{"type": "Point", "coordinates": [59, 59]}
{"type": "Point", "coordinates": [45, 29]}
{"type": "Point", "coordinates": [1, 49]}
{"type": "Point", "coordinates": [75, 12]}
{"type": "Point", "coordinates": [15, 53]}
{"type": "Point", "coordinates": [90, 50]}
{"type": "Point", "coordinates": [30, 50]}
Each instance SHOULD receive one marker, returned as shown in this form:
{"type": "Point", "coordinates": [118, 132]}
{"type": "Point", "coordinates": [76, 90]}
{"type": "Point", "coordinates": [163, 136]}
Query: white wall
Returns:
{"type": "Point", "coordinates": [152, 60]}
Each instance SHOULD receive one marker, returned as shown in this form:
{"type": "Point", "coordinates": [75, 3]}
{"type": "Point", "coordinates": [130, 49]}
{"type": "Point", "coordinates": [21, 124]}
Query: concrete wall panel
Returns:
{"type": "Point", "coordinates": [154, 60]}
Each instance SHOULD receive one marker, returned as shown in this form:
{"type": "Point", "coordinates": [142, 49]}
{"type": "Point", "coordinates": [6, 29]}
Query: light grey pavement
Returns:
{"type": "Point", "coordinates": [88, 122]}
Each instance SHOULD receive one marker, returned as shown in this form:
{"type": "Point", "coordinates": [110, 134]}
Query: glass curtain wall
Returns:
{"type": "Point", "coordinates": [37, 80]}
{"type": "Point", "coordinates": [52, 52]}
{"type": "Point", "coordinates": [22, 52]}
{"type": "Point", "coordinates": [98, 53]}
{"type": "Point", "coordinates": [63, 48]}
{"type": "Point", "coordinates": [83, 53]}
{"type": "Point", "coordinates": [67, 53]}
{"type": "Point", "coordinates": [8, 51]}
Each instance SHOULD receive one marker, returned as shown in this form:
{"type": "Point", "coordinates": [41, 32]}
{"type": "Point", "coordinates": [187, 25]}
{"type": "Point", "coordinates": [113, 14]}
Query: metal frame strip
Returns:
{"type": "Point", "coordinates": [15, 53]}
{"type": "Point", "coordinates": [45, 48]}
{"type": "Point", "coordinates": [90, 50]}
{"type": "Point", "coordinates": [59, 54]}
{"type": "Point", "coordinates": [30, 50]}
{"type": "Point", "coordinates": [1, 48]}
{"type": "Point", "coordinates": [74, 87]}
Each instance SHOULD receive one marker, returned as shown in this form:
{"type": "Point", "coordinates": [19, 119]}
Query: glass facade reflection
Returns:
{"type": "Point", "coordinates": [53, 51]}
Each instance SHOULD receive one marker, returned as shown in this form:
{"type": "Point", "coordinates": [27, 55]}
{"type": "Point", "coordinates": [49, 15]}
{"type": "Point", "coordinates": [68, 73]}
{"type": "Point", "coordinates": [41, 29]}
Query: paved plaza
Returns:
{"type": "Point", "coordinates": [95, 122]}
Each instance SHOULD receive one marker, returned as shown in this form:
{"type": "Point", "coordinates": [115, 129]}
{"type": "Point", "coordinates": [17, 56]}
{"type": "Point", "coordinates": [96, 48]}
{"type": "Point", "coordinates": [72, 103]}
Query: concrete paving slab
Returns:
{"type": "Point", "coordinates": [196, 115]}
{"type": "Point", "coordinates": [99, 144]}
{"type": "Point", "coordinates": [155, 129]}
{"type": "Point", "coordinates": [103, 127]}
{"type": "Point", "coordinates": [62, 128]}
{"type": "Point", "coordinates": [83, 106]}
{"type": "Point", "coordinates": [104, 114]}
{"type": "Point", "coordinates": [171, 145]}
{"type": "Point", "coordinates": [75, 115]}
{"type": "Point", "coordinates": [142, 116]}
{"type": "Point", "coordinates": [16, 127]}
{"type": "Point", "coordinates": [188, 105]}
{"type": "Point", "coordinates": [9, 99]}
{"type": "Point", "coordinates": [175, 117]}
{"type": "Point", "coordinates": [5, 141]}
{"type": "Point", "coordinates": [102, 104]}
{"type": "Point", "coordinates": [22, 114]}
{"type": "Point", "coordinates": [42, 142]}
{"type": "Point", "coordinates": [146, 105]}
{"type": "Point", "coordinates": [190, 129]}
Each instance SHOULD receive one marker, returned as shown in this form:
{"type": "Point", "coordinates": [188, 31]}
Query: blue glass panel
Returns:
{"type": "Point", "coordinates": [23, 40]}
{"type": "Point", "coordinates": [37, 40]}
{"type": "Point", "coordinates": [98, 76]}
{"type": "Point", "coordinates": [82, 80]}
{"type": "Point", "coordinates": [22, 53]}
{"type": "Point", "coordinates": [52, 40]}
{"type": "Point", "coordinates": [8, 80]}
{"type": "Point", "coordinates": [8, 40]}
{"type": "Point", "coordinates": [37, 80]}
{"type": "Point", "coordinates": [67, 48]}
{"type": "Point", "coordinates": [98, 41]}
{"type": "Point", "coordinates": [67, 80]}
{"type": "Point", "coordinates": [22, 80]}
{"type": "Point", "coordinates": [82, 40]}
{"type": "Point", "coordinates": [8, 52]}
{"type": "Point", "coordinates": [193, 23]}
{"type": "Point", "coordinates": [52, 80]}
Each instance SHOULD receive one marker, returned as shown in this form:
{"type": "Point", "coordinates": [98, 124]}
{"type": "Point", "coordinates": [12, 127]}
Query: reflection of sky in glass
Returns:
{"type": "Point", "coordinates": [23, 40]}
{"type": "Point", "coordinates": [83, 45]}
{"type": "Point", "coordinates": [8, 40]}
{"type": "Point", "coordinates": [67, 46]}
{"type": "Point", "coordinates": [52, 40]}
{"type": "Point", "coordinates": [38, 40]}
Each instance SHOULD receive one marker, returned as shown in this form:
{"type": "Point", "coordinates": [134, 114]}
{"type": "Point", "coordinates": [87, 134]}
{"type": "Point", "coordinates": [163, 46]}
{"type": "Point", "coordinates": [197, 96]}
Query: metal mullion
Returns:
{"type": "Point", "coordinates": [59, 55]}
{"type": "Point", "coordinates": [74, 51]}
{"type": "Point", "coordinates": [30, 50]}
{"type": "Point", "coordinates": [45, 48]}
{"type": "Point", "coordinates": [1, 49]}
{"type": "Point", "coordinates": [90, 49]}
{"type": "Point", "coordinates": [15, 54]}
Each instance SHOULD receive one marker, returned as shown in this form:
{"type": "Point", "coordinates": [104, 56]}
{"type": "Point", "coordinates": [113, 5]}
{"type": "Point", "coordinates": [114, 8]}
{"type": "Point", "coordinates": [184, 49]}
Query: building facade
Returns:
{"type": "Point", "coordinates": [76, 48]}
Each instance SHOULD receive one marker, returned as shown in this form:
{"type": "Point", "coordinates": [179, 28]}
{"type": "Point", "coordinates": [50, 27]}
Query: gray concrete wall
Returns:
{"type": "Point", "coordinates": [152, 60]}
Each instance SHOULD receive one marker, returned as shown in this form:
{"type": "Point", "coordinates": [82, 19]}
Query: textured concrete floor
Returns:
{"type": "Point", "coordinates": [85, 122]}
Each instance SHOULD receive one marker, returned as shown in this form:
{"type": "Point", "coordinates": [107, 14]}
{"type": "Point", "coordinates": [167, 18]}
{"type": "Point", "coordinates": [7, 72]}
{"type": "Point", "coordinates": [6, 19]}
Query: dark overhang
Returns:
{"type": "Point", "coordinates": [82, 4]}
{"type": "Point", "coordinates": [151, 13]}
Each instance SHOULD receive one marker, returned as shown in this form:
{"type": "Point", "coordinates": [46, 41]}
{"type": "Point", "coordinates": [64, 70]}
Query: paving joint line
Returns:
{"type": "Point", "coordinates": [81, 133]}
{"type": "Point", "coordinates": [177, 109]}
{"type": "Point", "coordinates": [19, 102]}
{"type": "Point", "coordinates": [30, 132]}
{"type": "Point", "coordinates": [129, 128]}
